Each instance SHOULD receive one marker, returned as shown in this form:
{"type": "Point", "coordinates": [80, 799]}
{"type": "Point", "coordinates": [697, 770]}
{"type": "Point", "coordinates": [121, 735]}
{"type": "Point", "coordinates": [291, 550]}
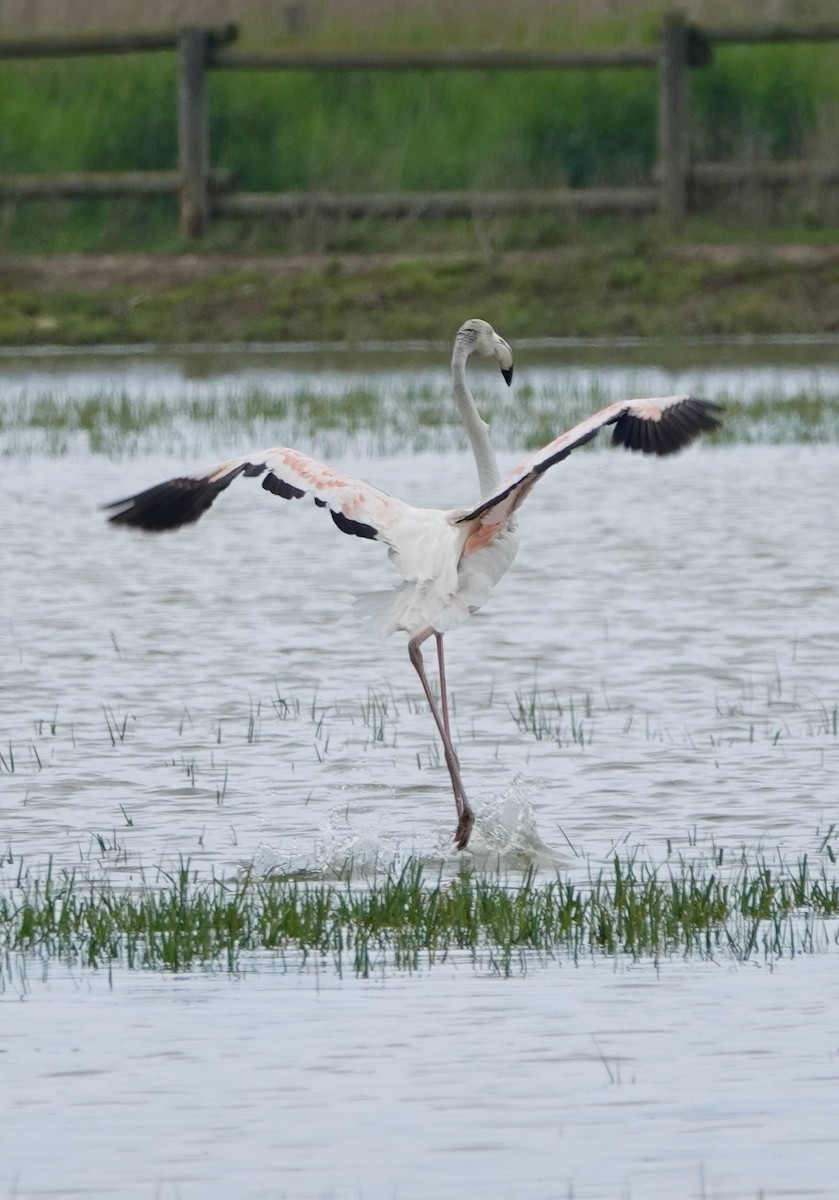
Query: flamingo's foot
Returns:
{"type": "Point", "coordinates": [464, 828]}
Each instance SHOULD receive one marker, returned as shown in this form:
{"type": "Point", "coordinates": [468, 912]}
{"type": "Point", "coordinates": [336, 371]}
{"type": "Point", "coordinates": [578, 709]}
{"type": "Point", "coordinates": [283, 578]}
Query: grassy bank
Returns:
{"type": "Point", "coordinates": [621, 288]}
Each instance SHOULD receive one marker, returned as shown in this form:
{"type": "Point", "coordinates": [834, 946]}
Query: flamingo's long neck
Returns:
{"type": "Point", "coordinates": [488, 474]}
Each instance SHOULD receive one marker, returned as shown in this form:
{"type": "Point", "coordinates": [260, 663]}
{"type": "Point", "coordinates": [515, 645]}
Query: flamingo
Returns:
{"type": "Point", "coordinates": [449, 559]}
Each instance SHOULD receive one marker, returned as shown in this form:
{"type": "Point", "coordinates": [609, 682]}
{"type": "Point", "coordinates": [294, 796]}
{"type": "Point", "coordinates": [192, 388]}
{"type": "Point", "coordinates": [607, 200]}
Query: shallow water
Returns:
{"type": "Point", "coordinates": [694, 1080]}
{"type": "Point", "coordinates": [207, 696]}
{"type": "Point", "coordinates": [211, 696]}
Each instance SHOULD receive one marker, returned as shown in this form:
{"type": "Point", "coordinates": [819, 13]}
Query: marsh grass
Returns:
{"type": "Point", "coordinates": [408, 921]}
{"type": "Point", "coordinates": [380, 713]}
{"type": "Point", "coordinates": [359, 420]}
{"type": "Point", "coordinates": [769, 712]}
{"type": "Point", "coordinates": [543, 716]}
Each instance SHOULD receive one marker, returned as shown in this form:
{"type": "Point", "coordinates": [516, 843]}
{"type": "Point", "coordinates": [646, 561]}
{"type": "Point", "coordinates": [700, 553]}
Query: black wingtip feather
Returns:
{"type": "Point", "coordinates": [171, 504]}
{"type": "Point", "coordinates": [281, 487]}
{"type": "Point", "coordinates": [677, 427]}
{"type": "Point", "coordinates": [355, 528]}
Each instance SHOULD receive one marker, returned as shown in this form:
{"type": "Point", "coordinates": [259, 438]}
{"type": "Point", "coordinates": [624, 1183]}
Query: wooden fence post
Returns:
{"type": "Point", "coordinates": [673, 147]}
{"type": "Point", "coordinates": [193, 135]}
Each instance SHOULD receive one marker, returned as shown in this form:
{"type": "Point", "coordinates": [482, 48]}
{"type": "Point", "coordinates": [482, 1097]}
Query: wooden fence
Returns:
{"type": "Point", "coordinates": [204, 192]}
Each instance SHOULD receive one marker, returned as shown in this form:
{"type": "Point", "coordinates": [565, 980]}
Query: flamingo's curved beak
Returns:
{"type": "Point", "coordinates": [503, 355]}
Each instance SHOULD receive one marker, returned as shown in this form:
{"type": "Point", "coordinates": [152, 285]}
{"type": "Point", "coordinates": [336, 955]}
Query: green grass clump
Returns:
{"type": "Point", "coordinates": [549, 720]}
{"type": "Point", "coordinates": [406, 921]}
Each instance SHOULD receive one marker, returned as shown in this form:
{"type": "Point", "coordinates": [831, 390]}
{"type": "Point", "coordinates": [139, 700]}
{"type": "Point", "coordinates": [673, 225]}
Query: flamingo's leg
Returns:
{"type": "Point", "coordinates": [444, 702]}
{"type": "Point", "coordinates": [465, 815]}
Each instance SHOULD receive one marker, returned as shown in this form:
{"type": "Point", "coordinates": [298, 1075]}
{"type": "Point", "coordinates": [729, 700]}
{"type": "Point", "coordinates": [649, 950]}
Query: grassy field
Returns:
{"type": "Point", "coordinates": [405, 131]}
{"type": "Point", "coordinates": [339, 132]}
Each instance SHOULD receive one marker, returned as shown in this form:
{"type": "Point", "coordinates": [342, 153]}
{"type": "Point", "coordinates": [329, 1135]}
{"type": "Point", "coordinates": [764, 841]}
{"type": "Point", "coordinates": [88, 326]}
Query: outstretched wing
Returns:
{"type": "Point", "coordinates": [355, 507]}
{"type": "Point", "coordinates": [658, 426]}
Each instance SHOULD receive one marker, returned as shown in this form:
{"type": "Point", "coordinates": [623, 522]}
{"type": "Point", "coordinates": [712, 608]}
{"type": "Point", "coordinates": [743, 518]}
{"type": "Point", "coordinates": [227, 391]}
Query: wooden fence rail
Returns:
{"type": "Point", "coordinates": [69, 47]}
{"type": "Point", "coordinates": [435, 60]}
{"type": "Point", "coordinates": [203, 192]}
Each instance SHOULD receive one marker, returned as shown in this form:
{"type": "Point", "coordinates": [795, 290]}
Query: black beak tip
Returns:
{"type": "Point", "coordinates": [508, 375]}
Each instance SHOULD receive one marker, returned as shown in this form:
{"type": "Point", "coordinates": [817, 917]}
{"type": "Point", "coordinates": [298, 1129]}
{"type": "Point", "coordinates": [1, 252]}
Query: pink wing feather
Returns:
{"type": "Point", "coordinates": [355, 506]}
{"type": "Point", "coordinates": [656, 426]}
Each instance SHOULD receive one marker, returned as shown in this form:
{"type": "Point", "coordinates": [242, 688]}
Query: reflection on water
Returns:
{"type": "Point", "coordinates": [658, 666]}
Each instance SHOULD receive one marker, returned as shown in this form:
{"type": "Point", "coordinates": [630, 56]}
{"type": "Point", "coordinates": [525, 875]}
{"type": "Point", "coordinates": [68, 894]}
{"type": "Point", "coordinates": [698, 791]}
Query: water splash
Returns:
{"type": "Point", "coordinates": [358, 845]}
{"type": "Point", "coordinates": [506, 834]}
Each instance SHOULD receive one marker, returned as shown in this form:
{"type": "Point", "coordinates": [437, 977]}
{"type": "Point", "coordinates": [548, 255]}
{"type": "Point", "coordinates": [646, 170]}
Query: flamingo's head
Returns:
{"type": "Point", "coordinates": [478, 337]}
